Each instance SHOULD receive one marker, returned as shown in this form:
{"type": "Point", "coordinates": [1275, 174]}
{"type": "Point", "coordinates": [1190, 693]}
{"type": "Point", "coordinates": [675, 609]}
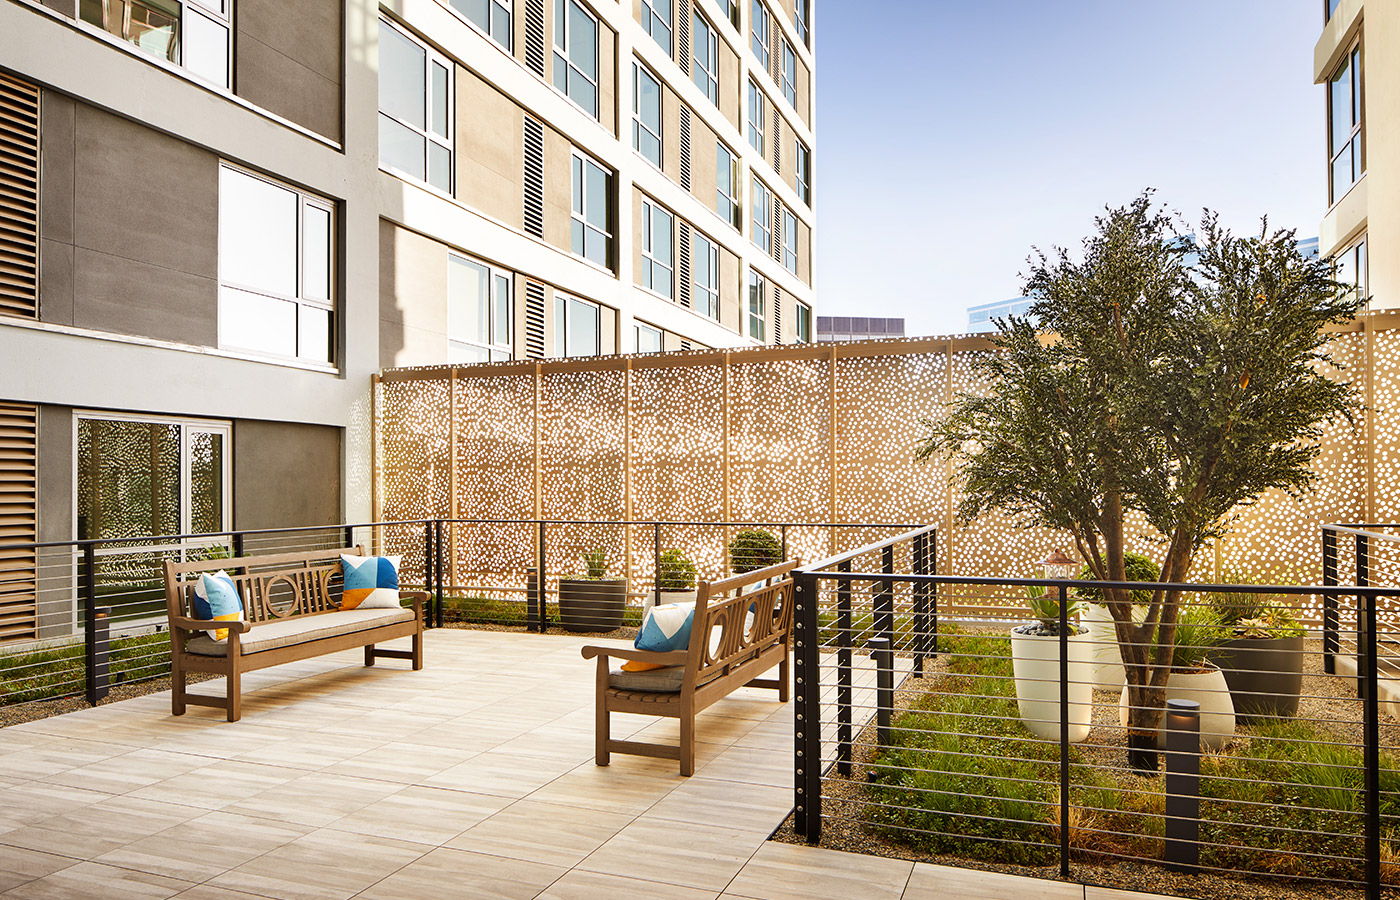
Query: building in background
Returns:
{"type": "Point", "coordinates": [857, 328]}
{"type": "Point", "coordinates": [219, 218]}
{"type": "Point", "coordinates": [979, 318]}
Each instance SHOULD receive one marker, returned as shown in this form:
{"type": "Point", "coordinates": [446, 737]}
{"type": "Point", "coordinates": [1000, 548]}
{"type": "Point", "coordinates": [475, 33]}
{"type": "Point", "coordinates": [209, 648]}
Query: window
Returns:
{"type": "Point", "coordinates": [576, 326]}
{"type": "Point", "coordinates": [491, 16]}
{"type": "Point", "coordinates": [804, 17]}
{"type": "Point", "coordinates": [755, 117]}
{"type": "Point", "coordinates": [761, 24]}
{"type": "Point", "coordinates": [704, 57]}
{"type": "Point", "coordinates": [789, 241]}
{"type": "Point", "coordinates": [762, 228]}
{"type": "Point", "coordinates": [758, 287]}
{"type": "Point", "coordinates": [789, 74]}
{"type": "Point", "coordinates": [478, 312]}
{"type": "Point", "coordinates": [646, 339]}
{"type": "Point", "coordinates": [415, 109]}
{"type": "Point", "coordinates": [1353, 269]}
{"type": "Point", "coordinates": [804, 173]}
{"type": "Point", "coordinates": [590, 232]}
{"type": "Point", "coordinates": [727, 177]}
{"type": "Point", "coordinates": [705, 277]}
{"type": "Point", "coordinates": [276, 269]}
{"type": "Point", "coordinates": [1344, 99]}
{"type": "Point", "coordinates": [194, 36]}
{"type": "Point", "coordinates": [646, 114]}
{"type": "Point", "coordinates": [658, 17]}
{"type": "Point", "coordinates": [576, 54]}
{"type": "Point", "coordinates": [730, 8]}
{"type": "Point", "coordinates": [804, 323]}
{"type": "Point", "coordinates": [658, 250]}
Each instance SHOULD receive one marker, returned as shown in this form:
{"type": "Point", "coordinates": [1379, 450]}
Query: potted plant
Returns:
{"type": "Point", "coordinates": [1261, 656]}
{"type": "Point", "coordinates": [754, 549]}
{"type": "Point", "coordinates": [594, 602]}
{"type": "Point", "coordinates": [1035, 662]}
{"type": "Point", "coordinates": [1199, 633]}
{"type": "Point", "coordinates": [1103, 639]}
{"type": "Point", "coordinates": [675, 579]}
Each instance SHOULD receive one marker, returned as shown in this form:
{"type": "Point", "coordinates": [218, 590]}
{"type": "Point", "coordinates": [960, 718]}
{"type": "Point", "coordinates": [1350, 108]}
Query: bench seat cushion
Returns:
{"type": "Point", "coordinates": [664, 680]}
{"type": "Point", "coordinates": [300, 629]}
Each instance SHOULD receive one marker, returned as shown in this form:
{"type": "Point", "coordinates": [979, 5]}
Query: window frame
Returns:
{"type": "Point", "coordinates": [789, 239]}
{"type": "Point", "coordinates": [757, 103]}
{"type": "Point", "coordinates": [564, 304]}
{"type": "Point", "coordinates": [789, 79]}
{"type": "Point", "coordinates": [430, 137]}
{"type": "Point", "coordinates": [700, 70]}
{"type": "Point", "coordinates": [757, 307]}
{"type": "Point", "coordinates": [221, 15]}
{"type": "Point", "coordinates": [760, 41]}
{"type": "Point", "coordinates": [762, 192]}
{"type": "Point", "coordinates": [709, 289]}
{"type": "Point", "coordinates": [640, 70]}
{"type": "Point", "coordinates": [723, 201]}
{"type": "Point", "coordinates": [637, 328]}
{"type": "Point", "coordinates": [301, 300]}
{"type": "Point", "coordinates": [581, 215]}
{"type": "Point", "coordinates": [1354, 147]}
{"type": "Point", "coordinates": [651, 212]}
{"type": "Point", "coordinates": [489, 29]}
{"type": "Point", "coordinates": [802, 16]}
{"type": "Point", "coordinates": [803, 329]}
{"type": "Point", "coordinates": [650, 20]}
{"type": "Point", "coordinates": [1355, 258]}
{"type": "Point", "coordinates": [802, 173]}
{"type": "Point", "coordinates": [494, 278]}
{"type": "Point", "coordinates": [730, 8]}
{"type": "Point", "coordinates": [564, 51]}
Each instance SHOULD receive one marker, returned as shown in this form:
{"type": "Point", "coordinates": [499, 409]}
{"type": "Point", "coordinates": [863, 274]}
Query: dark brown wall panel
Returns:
{"type": "Point", "coordinates": [288, 60]}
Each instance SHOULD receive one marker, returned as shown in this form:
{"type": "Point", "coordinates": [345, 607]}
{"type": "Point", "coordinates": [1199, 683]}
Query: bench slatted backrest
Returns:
{"type": "Point", "coordinates": [272, 586]}
{"type": "Point", "coordinates": [721, 608]}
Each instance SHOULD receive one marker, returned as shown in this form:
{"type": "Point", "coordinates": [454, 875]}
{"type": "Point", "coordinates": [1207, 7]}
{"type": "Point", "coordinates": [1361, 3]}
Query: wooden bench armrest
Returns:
{"type": "Point", "coordinates": [673, 658]}
{"type": "Point", "coordinates": [187, 624]}
{"type": "Point", "coordinates": [419, 598]}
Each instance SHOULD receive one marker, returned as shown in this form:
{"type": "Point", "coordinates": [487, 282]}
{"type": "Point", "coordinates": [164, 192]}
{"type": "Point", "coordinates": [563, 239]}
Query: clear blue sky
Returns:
{"type": "Point", "coordinates": [953, 135]}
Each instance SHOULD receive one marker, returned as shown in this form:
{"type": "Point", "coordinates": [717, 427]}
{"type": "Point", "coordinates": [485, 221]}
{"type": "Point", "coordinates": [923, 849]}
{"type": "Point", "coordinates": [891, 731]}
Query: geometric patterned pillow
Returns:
{"type": "Point", "coordinates": [371, 582]}
{"type": "Point", "coordinates": [216, 599]}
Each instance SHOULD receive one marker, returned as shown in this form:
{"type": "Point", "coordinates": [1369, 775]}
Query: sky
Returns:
{"type": "Point", "coordinates": [953, 136]}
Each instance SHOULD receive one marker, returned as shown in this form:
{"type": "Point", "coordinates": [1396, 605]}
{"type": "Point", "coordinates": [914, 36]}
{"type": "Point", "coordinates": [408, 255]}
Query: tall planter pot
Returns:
{"type": "Point", "coordinates": [1103, 639]}
{"type": "Point", "coordinates": [655, 598]}
{"type": "Point", "coordinates": [1265, 675]}
{"type": "Point", "coordinates": [1035, 661]}
{"type": "Point", "coordinates": [592, 606]}
{"type": "Point", "coordinates": [1208, 688]}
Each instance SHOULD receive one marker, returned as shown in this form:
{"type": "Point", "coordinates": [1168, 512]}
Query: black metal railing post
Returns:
{"type": "Point", "coordinates": [884, 598]}
{"type": "Point", "coordinates": [1364, 610]}
{"type": "Point", "coordinates": [784, 543]}
{"type": "Point", "coordinates": [933, 594]}
{"type": "Point", "coordinates": [883, 654]}
{"type": "Point", "coordinates": [238, 550]}
{"type": "Point", "coordinates": [429, 562]}
{"type": "Point", "coordinates": [1064, 732]}
{"type": "Point", "coordinates": [1372, 742]}
{"type": "Point", "coordinates": [920, 605]}
{"type": "Point", "coordinates": [807, 768]}
{"type": "Point", "coordinates": [1182, 724]}
{"type": "Point", "coordinates": [350, 537]}
{"type": "Point", "coordinates": [1331, 621]}
{"type": "Point", "coordinates": [844, 645]}
{"type": "Point", "coordinates": [96, 632]}
{"type": "Point", "coordinates": [542, 581]}
{"type": "Point", "coordinates": [440, 566]}
{"type": "Point", "coordinates": [656, 563]}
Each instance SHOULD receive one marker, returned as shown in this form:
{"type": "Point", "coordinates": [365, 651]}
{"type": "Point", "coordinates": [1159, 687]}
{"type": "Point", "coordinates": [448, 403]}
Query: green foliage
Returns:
{"type": "Point", "coordinates": [1254, 614]}
{"type": "Point", "coordinates": [1198, 632]}
{"type": "Point", "coordinates": [55, 672]}
{"type": "Point", "coordinates": [595, 563]}
{"type": "Point", "coordinates": [754, 549]}
{"type": "Point", "coordinates": [491, 611]}
{"type": "Point", "coordinates": [1136, 567]}
{"type": "Point", "coordinates": [675, 572]}
{"type": "Point", "coordinates": [1045, 606]}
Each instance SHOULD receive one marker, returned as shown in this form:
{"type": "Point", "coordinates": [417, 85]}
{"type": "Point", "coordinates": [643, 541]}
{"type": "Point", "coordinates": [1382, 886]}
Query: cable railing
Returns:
{"type": "Point", "coordinates": [938, 716]}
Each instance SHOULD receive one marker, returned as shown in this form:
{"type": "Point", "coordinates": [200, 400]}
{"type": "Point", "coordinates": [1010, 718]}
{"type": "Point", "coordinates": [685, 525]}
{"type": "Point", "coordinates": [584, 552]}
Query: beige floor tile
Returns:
{"type": "Point", "coordinates": [317, 799]}
{"type": "Point", "coordinates": [542, 832]}
{"type": "Point", "coordinates": [205, 847]}
{"type": "Point", "coordinates": [89, 832]}
{"type": "Point", "coordinates": [425, 815]}
{"type": "Point", "coordinates": [1101, 893]}
{"type": "Point", "coordinates": [208, 892]}
{"type": "Point", "coordinates": [795, 872]}
{"type": "Point", "coordinates": [32, 802]}
{"type": "Point", "coordinates": [323, 865]}
{"type": "Point", "coordinates": [705, 800]}
{"type": "Point", "coordinates": [20, 866]}
{"type": "Point", "coordinates": [218, 784]}
{"type": "Point", "coordinates": [751, 766]}
{"type": "Point", "coordinates": [403, 762]}
{"type": "Point", "coordinates": [312, 752]}
{"type": "Point", "coordinates": [91, 880]}
{"type": "Point", "coordinates": [579, 885]}
{"type": "Point", "coordinates": [929, 882]}
{"type": "Point", "coordinates": [500, 773]}
{"type": "Point", "coordinates": [698, 856]}
{"type": "Point", "coordinates": [608, 788]}
{"type": "Point", "coordinates": [458, 875]}
{"type": "Point", "coordinates": [129, 771]}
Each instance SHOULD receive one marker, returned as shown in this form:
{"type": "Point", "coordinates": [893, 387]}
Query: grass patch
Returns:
{"type": "Point", "coordinates": [56, 672]}
{"type": "Point", "coordinates": [491, 611]}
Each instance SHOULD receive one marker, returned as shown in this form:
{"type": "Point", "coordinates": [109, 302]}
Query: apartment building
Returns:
{"type": "Point", "coordinates": [1356, 59]}
{"type": "Point", "coordinates": [218, 218]}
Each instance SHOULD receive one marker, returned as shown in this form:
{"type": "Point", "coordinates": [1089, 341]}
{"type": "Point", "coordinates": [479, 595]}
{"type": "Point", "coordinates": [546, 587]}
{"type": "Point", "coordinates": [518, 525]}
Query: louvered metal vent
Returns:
{"type": "Point", "coordinates": [19, 198]}
{"type": "Point", "coordinates": [685, 148]}
{"type": "Point", "coordinates": [683, 266]}
{"type": "Point", "coordinates": [683, 37]}
{"type": "Point", "coordinates": [777, 241]}
{"type": "Point", "coordinates": [777, 315]}
{"type": "Point", "coordinates": [534, 177]}
{"type": "Point", "coordinates": [19, 522]}
{"type": "Point", "coordinates": [777, 142]}
{"type": "Point", "coordinates": [534, 320]}
{"type": "Point", "coordinates": [534, 35]}
{"type": "Point", "coordinates": [685, 345]}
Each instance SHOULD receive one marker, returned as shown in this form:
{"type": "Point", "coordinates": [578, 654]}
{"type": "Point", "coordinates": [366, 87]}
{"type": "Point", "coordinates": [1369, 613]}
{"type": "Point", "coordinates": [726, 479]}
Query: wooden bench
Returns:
{"type": "Point", "coordinates": [722, 655]}
{"type": "Point", "coordinates": [291, 603]}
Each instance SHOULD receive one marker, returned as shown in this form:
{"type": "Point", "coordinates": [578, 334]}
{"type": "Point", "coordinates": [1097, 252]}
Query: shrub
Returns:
{"type": "Point", "coordinates": [675, 572]}
{"type": "Point", "coordinates": [1136, 567]}
{"type": "Point", "coordinates": [754, 549]}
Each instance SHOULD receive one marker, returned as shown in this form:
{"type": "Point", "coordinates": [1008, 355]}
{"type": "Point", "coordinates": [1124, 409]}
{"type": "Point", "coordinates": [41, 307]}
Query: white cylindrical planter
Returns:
{"type": "Point", "coordinates": [1035, 660]}
{"type": "Point", "coordinates": [1208, 688]}
{"type": "Point", "coordinates": [1103, 641]}
{"type": "Point", "coordinates": [668, 597]}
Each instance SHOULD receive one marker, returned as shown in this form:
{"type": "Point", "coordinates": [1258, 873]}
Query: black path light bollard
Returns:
{"type": "Point", "coordinates": [883, 654]}
{"type": "Point", "coordinates": [1182, 723]}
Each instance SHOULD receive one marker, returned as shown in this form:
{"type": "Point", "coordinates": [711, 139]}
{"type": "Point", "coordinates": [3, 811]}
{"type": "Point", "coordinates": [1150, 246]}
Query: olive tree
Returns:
{"type": "Point", "coordinates": [1155, 383]}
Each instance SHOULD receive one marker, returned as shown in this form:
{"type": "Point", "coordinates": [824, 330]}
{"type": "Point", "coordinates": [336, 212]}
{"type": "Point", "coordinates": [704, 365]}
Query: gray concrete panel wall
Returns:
{"type": "Point", "coordinates": [285, 474]}
{"type": "Point", "coordinates": [287, 59]}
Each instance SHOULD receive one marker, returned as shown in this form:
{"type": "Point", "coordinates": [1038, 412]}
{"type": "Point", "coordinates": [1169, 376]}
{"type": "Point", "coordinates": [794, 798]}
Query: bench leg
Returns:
{"type": "Point", "coordinates": [784, 680]}
{"type": "Point", "coordinates": [177, 686]}
{"type": "Point", "coordinates": [601, 731]}
{"type": "Point", "coordinates": [688, 745]}
{"type": "Point", "coordinates": [369, 654]}
{"type": "Point", "coordinates": [418, 650]}
{"type": "Point", "coordinates": [234, 697]}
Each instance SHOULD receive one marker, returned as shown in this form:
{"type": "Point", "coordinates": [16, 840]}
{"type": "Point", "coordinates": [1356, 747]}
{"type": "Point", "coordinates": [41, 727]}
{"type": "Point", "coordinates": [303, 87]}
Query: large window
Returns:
{"type": "Point", "coordinates": [646, 113]}
{"type": "Point", "coordinates": [576, 54]}
{"type": "Point", "coordinates": [192, 35]}
{"type": "Point", "coordinates": [762, 225]}
{"type": "Point", "coordinates": [727, 194]}
{"type": "Point", "coordinates": [590, 231]}
{"type": "Point", "coordinates": [789, 241]}
{"type": "Point", "coordinates": [658, 20]}
{"type": "Point", "coordinates": [789, 74]}
{"type": "Point", "coordinates": [730, 8]}
{"type": "Point", "coordinates": [646, 339]}
{"type": "Point", "coordinates": [415, 108]}
{"type": "Point", "coordinates": [658, 250]}
{"type": "Point", "coordinates": [704, 57]}
{"type": "Point", "coordinates": [804, 173]}
{"type": "Point", "coordinates": [1344, 109]}
{"type": "Point", "coordinates": [804, 323]}
{"type": "Point", "coordinates": [705, 277]}
{"type": "Point", "coordinates": [1353, 269]}
{"type": "Point", "coordinates": [758, 290]}
{"type": "Point", "coordinates": [756, 116]}
{"type": "Point", "coordinates": [761, 25]}
{"type": "Point", "coordinates": [576, 324]}
{"type": "Point", "coordinates": [804, 19]}
{"type": "Point", "coordinates": [478, 312]}
{"type": "Point", "coordinates": [491, 16]}
{"type": "Point", "coordinates": [276, 268]}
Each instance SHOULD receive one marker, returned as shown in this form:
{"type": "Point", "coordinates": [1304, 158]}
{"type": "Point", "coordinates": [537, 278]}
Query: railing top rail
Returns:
{"type": "Point", "coordinates": [756, 524]}
{"type": "Point", "coordinates": [1299, 589]}
{"type": "Point", "coordinates": [1365, 530]}
{"type": "Point", "coordinates": [152, 538]}
{"type": "Point", "coordinates": [916, 531]}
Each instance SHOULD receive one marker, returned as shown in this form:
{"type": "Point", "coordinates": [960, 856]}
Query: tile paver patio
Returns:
{"type": "Point", "coordinates": [471, 779]}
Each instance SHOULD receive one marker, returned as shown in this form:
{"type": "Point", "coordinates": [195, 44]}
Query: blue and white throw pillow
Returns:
{"type": "Point", "coordinates": [371, 582]}
{"type": "Point", "coordinates": [216, 599]}
{"type": "Point", "coordinates": [666, 628]}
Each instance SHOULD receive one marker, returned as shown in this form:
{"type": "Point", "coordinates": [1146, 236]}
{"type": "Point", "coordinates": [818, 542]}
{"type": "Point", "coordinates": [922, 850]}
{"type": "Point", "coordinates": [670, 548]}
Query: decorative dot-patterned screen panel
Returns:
{"type": "Point", "coordinates": [780, 464]}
